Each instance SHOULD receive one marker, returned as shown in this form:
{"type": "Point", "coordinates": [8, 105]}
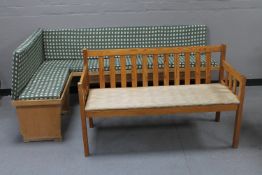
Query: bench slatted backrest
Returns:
{"type": "Point", "coordinates": [166, 52]}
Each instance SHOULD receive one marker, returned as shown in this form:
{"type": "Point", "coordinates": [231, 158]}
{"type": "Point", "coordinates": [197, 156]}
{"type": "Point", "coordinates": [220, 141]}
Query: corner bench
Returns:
{"type": "Point", "coordinates": [45, 63]}
{"type": "Point", "coordinates": [227, 95]}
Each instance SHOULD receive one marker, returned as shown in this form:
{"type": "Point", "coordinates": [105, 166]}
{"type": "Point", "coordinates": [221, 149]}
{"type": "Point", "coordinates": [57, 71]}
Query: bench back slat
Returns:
{"type": "Point", "coordinates": [177, 69]}
{"type": "Point", "coordinates": [123, 71]}
{"type": "Point", "coordinates": [134, 71]}
{"type": "Point", "coordinates": [145, 70]}
{"type": "Point", "coordinates": [208, 67]}
{"type": "Point", "coordinates": [101, 72]}
{"type": "Point", "coordinates": [187, 68]}
{"type": "Point", "coordinates": [112, 71]}
{"type": "Point", "coordinates": [234, 89]}
{"type": "Point", "coordinates": [222, 58]}
{"type": "Point", "coordinates": [197, 69]}
{"type": "Point", "coordinates": [155, 70]}
{"type": "Point", "coordinates": [166, 69]}
{"type": "Point", "coordinates": [142, 58]}
{"type": "Point", "coordinates": [230, 82]}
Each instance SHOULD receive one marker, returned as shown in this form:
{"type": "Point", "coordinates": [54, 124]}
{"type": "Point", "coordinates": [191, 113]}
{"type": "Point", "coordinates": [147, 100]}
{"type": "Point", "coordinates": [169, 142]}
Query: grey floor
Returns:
{"type": "Point", "coordinates": [181, 144]}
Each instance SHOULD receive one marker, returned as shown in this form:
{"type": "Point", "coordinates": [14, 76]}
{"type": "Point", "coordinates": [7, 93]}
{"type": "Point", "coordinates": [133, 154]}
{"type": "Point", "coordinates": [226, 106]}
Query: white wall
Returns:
{"type": "Point", "coordinates": [237, 23]}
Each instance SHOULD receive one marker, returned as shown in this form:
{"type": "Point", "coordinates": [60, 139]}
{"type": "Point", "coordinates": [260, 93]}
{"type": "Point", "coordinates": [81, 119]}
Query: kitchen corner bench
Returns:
{"type": "Point", "coordinates": [227, 95]}
{"type": "Point", "coordinates": [45, 63]}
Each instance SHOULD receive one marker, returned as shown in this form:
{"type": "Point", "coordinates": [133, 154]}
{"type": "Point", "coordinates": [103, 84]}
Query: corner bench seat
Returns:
{"type": "Point", "coordinates": [52, 79]}
{"type": "Point", "coordinates": [53, 74]}
{"type": "Point", "coordinates": [159, 97]}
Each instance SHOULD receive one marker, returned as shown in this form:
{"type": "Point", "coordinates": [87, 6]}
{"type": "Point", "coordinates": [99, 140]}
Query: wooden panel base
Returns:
{"type": "Point", "coordinates": [40, 122]}
{"type": "Point", "coordinates": [41, 119]}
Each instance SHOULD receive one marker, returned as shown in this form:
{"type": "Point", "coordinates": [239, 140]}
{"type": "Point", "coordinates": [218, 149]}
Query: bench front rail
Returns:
{"type": "Point", "coordinates": [228, 77]}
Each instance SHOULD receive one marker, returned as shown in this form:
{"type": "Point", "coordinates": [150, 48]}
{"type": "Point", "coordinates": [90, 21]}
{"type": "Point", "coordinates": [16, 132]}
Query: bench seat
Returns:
{"type": "Point", "coordinates": [159, 97]}
{"type": "Point", "coordinates": [199, 95]}
{"type": "Point", "coordinates": [52, 78]}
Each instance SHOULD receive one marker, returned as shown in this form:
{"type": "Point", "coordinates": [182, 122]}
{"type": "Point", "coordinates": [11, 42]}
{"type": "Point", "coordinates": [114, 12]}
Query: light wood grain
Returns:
{"type": "Point", "coordinates": [155, 70]}
{"type": "Point", "coordinates": [123, 71]}
{"type": "Point", "coordinates": [166, 69]}
{"type": "Point", "coordinates": [112, 72]}
{"type": "Point", "coordinates": [161, 111]}
{"type": "Point", "coordinates": [40, 122]}
{"type": "Point", "coordinates": [145, 70]}
{"type": "Point", "coordinates": [187, 68]}
{"type": "Point", "coordinates": [177, 69]}
{"type": "Point", "coordinates": [134, 71]}
{"type": "Point", "coordinates": [197, 68]}
{"type": "Point", "coordinates": [153, 51]}
{"type": "Point", "coordinates": [101, 72]}
{"type": "Point", "coordinates": [208, 67]}
{"type": "Point", "coordinates": [233, 80]}
{"type": "Point", "coordinates": [222, 58]}
{"type": "Point", "coordinates": [234, 89]}
{"type": "Point", "coordinates": [230, 84]}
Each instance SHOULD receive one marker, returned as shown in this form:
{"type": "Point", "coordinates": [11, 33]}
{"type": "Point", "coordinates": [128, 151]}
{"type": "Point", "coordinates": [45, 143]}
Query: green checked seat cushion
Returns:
{"type": "Point", "coordinates": [71, 65]}
{"type": "Point", "coordinates": [47, 83]}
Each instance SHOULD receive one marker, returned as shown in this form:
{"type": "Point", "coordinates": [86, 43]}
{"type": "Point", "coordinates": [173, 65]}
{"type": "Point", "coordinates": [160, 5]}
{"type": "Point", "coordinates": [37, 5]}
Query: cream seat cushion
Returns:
{"type": "Point", "coordinates": [159, 96]}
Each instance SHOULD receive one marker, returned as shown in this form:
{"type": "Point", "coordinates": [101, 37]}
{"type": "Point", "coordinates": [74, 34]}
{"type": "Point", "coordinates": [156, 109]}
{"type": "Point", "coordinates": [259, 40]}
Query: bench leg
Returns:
{"type": "Point", "coordinates": [91, 123]}
{"type": "Point", "coordinates": [217, 117]}
{"type": "Point", "coordinates": [238, 121]}
{"type": "Point", "coordinates": [84, 135]}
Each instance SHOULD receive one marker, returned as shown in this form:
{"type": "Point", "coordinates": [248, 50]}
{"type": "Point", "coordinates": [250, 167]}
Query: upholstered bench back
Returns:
{"type": "Point", "coordinates": [68, 43]}
{"type": "Point", "coordinates": [26, 60]}
{"type": "Point", "coordinates": [64, 46]}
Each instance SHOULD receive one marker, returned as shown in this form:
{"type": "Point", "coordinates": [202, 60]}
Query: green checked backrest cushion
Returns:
{"type": "Point", "coordinates": [26, 60]}
{"type": "Point", "coordinates": [68, 43]}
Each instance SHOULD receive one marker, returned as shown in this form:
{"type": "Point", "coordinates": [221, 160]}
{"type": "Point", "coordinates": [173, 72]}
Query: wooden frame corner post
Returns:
{"type": "Point", "coordinates": [221, 74]}
{"type": "Point", "coordinates": [238, 117]}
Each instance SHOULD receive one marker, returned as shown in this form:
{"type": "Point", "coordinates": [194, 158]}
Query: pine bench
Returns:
{"type": "Point", "coordinates": [227, 95]}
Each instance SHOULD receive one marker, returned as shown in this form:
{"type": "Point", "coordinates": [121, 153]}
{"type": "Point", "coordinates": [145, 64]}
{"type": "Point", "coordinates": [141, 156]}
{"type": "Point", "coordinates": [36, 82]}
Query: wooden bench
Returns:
{"type": "Point", "coordinates": [227, 95]}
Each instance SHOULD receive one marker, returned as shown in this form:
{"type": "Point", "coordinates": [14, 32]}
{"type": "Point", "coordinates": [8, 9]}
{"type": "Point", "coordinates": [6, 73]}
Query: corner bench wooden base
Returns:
{"type": "Point", "coordinates": [40, 122]}
{"type": "Point", "coordinates": [41, 119]}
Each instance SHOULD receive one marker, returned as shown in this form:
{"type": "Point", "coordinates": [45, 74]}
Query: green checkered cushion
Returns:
{"type": "Point", "coordinates": [68, 43]}
{"type": "Point", "coordinates": [47, 83]}
{"type": "Point", "coordinates": [71, 65]}
{"type": "Point", "coordinates": [26, 60]}
{"type": "Point", "coordinates": [63, 48]}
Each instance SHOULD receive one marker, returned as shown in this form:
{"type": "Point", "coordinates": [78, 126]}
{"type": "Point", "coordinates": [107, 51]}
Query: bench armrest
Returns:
{"type": "Point", "coordinates": [235, 81]}
{"type": "Point", "coordinates": [26, 60]}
